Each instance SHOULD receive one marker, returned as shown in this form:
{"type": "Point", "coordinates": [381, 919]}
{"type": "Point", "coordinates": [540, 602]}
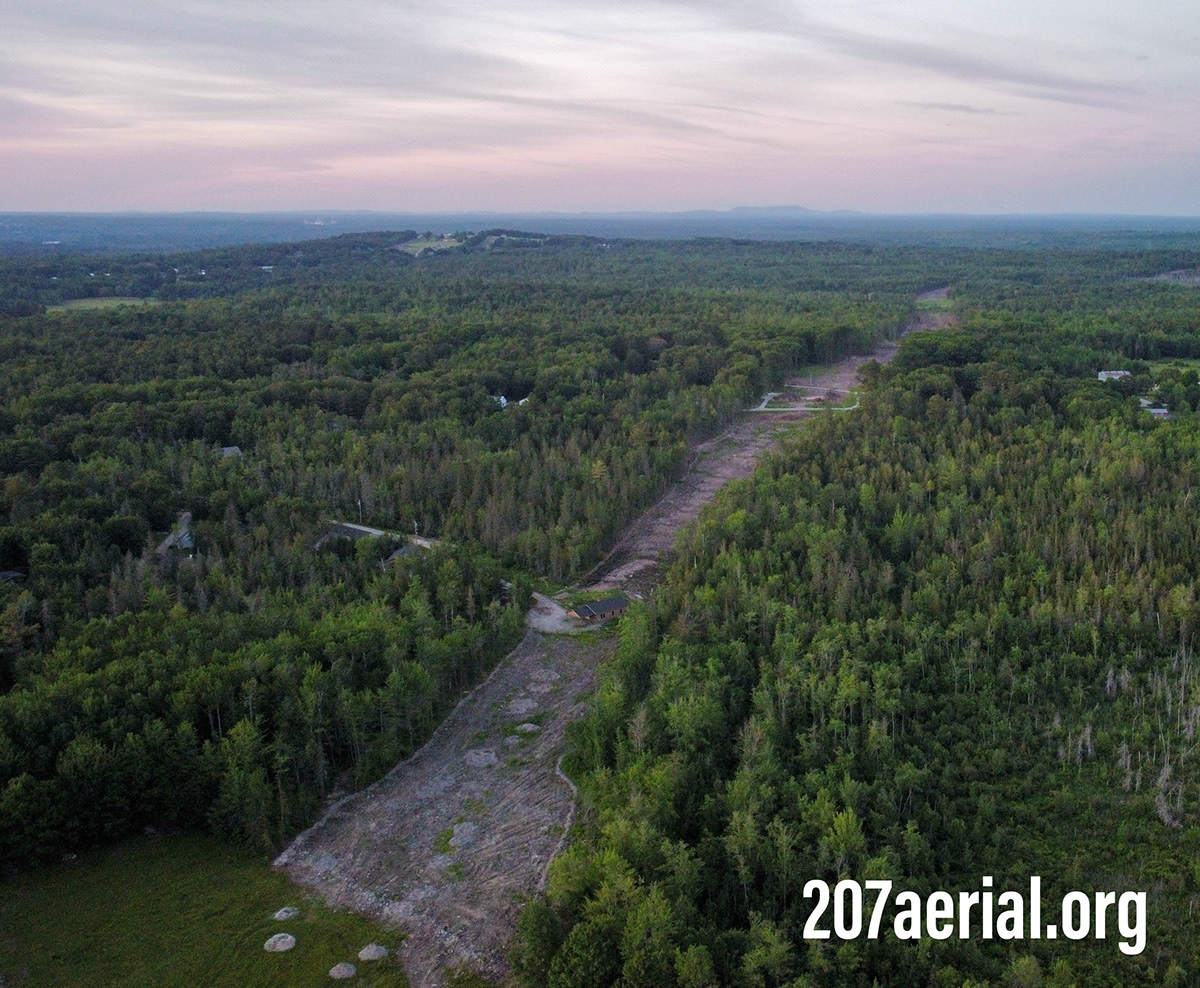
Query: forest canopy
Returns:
{"type": "Point", "coordinates": [188, 636]}
{"type": "Point", "coordinates": [948, 634]}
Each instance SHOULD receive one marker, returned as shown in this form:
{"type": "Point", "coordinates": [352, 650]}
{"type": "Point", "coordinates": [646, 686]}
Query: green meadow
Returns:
{"type": "Point", "coordinates": [175, 911]}
{"type": "Point", "coordinates": [1173, 363]}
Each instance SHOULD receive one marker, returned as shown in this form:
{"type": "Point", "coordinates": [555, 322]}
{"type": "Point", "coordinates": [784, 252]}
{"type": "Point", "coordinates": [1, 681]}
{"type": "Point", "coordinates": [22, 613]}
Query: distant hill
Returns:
{"type": "Point", "coordinates": [52, 233]}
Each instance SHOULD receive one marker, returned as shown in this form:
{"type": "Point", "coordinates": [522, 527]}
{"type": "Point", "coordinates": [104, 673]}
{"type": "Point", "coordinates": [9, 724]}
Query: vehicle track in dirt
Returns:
{"type": "Point", "coordinates": [452, 840]}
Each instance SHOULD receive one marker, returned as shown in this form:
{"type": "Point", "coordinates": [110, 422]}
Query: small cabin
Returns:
{"type": "Point", "coordinates": [181, 539]}
{"type": "Point", "coordinates": [601, 610]}
{"type": "Point", "coordinates": [1112, 375]}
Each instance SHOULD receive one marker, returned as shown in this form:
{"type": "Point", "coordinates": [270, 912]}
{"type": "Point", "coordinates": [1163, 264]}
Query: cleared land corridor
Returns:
{"type": "Point", "coordinates": [448, 843]}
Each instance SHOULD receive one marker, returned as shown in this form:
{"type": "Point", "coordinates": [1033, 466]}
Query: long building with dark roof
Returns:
{"type": "Point", "coordinates": [601, 610]}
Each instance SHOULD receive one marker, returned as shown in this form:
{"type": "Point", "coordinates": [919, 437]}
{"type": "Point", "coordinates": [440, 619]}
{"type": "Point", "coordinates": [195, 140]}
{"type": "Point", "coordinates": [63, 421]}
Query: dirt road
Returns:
{"type": "Point", "coordinates": [633, 563]}
{"type": "Point", "coordinates": [450, 840]}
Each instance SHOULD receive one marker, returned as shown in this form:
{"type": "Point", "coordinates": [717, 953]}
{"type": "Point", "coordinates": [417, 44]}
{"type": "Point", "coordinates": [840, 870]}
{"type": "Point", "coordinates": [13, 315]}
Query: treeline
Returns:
{"type": "Point", "coordinates": [202, 703]}
{"type": "Point", "coordinates": [774, 269]}
{"type": "Point", "coordinates": [236, 673]}
{"type": "Point", "coordinates": [383, 403]}
{"type": "Point", "coordinates": [236, 683]}
{"type": "Point", "coordinates": [948, 636]}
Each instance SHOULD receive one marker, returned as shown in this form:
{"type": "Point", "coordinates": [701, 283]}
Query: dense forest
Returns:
{"type": "Point", "coordinates": [188, 636]}
{"type": "Point", "coordinates": [947, 635]}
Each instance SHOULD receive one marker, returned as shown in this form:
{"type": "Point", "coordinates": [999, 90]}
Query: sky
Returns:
{"type": "Point", "coordinates": [903, 106]}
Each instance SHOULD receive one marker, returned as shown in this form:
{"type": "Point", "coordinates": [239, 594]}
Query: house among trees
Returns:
{"type": "Point", "coordinates": [601, 610]}
{"type": "Point", "coordinates": [181, 539]}
{"type": "Point", "coordinates": [1112, 375]}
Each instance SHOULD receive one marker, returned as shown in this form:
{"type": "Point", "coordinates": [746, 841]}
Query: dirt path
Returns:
{"type": "Point", "coordinates": [551, 617]}
{"type": "Point", "coordinates": [450, 840]}
{"type": "Point", "coordinates": [633, 564]}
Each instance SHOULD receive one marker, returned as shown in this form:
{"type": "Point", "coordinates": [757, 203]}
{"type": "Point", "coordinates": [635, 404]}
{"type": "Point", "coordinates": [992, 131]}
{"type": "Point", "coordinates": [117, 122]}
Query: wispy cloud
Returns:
{"type": "Point", "coordinates": [624, 103]}
{"type": "Point", "coordinates": [954, 65]}
{"type": "Point", "coordinates": [953, 108]}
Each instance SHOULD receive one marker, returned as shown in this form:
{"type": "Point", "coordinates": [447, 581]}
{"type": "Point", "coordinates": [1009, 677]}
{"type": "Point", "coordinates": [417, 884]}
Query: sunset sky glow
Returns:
{"type": "Point", "coordinates": [901, 106]}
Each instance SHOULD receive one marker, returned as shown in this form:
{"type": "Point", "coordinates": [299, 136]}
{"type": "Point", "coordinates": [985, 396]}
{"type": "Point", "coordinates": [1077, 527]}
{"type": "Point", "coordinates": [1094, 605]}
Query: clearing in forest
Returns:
{"type": "Point", "coordinates": [80, 304]}
{"type": "Point", "coordinates": [451, 841]}
{"type": "Point", "coordinates": [448, 843]}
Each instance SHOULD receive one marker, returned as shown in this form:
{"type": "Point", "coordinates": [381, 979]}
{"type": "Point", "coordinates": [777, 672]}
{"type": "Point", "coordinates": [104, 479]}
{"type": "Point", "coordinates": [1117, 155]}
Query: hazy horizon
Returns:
{"type": "Point", "coordinates": [56, 233]}
{"type": "Point", "coordinates": [786, 210]}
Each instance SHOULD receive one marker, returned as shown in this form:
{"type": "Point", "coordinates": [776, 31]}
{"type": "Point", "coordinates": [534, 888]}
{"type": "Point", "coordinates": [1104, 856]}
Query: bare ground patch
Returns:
{"type": "Point", "coordinates": [633, 562]}
{"type": "Point", "coordinates": [733, 455]}
{"type": "Point", "coordinates": [446, 844]}
{"type": "Point", "coordinates": [1182, 277]}
{"type": "Point", "coordinates": [550, 617]}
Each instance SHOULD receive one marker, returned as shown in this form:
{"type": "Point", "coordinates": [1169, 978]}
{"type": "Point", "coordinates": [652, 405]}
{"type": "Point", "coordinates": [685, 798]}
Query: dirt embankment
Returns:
{"type": "Point", "coordinates": [448, 843]}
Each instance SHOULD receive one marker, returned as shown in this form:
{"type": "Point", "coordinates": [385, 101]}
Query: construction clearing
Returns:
{"type": "Point", "coordinates": [451, 842]}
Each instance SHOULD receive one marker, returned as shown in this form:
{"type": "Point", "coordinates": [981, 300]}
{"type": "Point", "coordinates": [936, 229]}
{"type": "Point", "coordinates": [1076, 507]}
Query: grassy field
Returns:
{"type": "Point", "coordinates": [100, 303]}
{"type": "Point", "coordinates": [1174, 363]}
{"type": "Point", "coordinates": [175, 911]}
{"type": "Point", "coordinates": [443, 242]}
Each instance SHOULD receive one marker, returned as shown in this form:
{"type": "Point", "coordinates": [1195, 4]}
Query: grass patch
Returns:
{"type": "Point", "coordinates": [1173, 363]}
{"type": "Point", "coordinates": [78, 304]}
{"type": "Point", "coordinates": [444, 242]}
{"type": "Point", "coordinates": [935, 304]}
{"type": "Point", "coordinates": [596, 633]}
{"type": "Point", "coordinates": [476, 807]}
{"type": "Point", "coordinates": [539, 718]}
{"type": "Point", "coordinates": [808, 370]}
{"type": "Point", "coordinates": [175, 911]}
{"type": "Point", "coordinates": [586, 597]}
{"type": "Point", "coordinates": [464, 977]}
{"type": "Point", "coordinates": [441, 843]}
{"type": "Point", "coordinates": [513, 730]}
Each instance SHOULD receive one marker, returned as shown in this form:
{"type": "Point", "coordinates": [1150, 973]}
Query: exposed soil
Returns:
{"type": "Point", "coordinates": [447, 844]}
{"type": "Point", "coordinates": [935, 294]}
{"type": "Point", "coordinates": [633, 564]}
{"type": "Point", "coordinates": [550, 617]}
{"type": "Point", "coordinates": [1178, 277]}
